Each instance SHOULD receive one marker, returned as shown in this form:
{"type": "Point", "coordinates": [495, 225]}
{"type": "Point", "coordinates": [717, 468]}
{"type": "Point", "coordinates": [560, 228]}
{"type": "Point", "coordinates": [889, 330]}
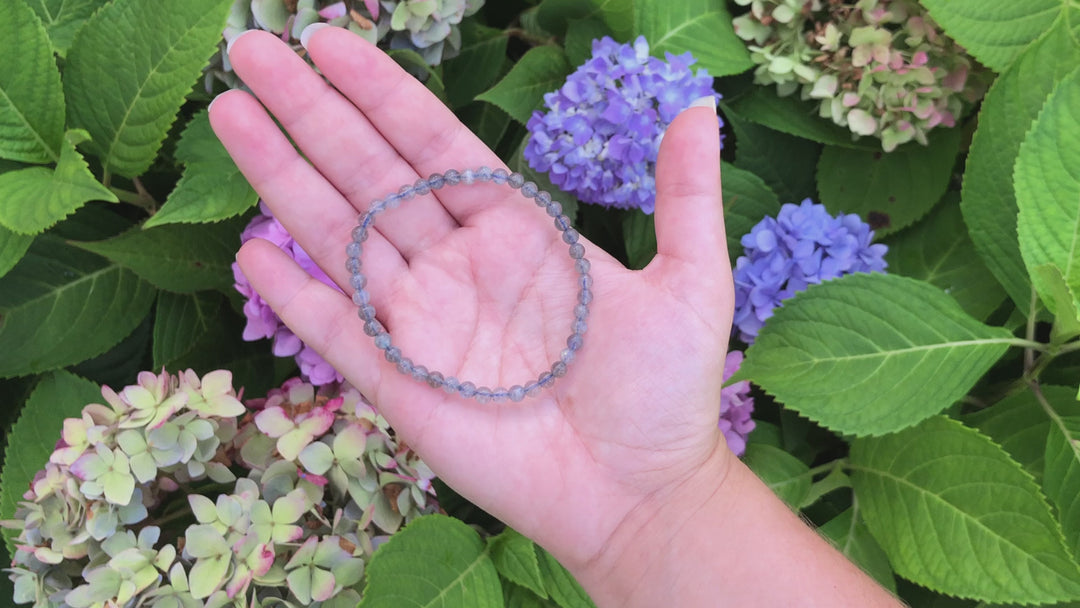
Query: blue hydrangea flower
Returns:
{"type": "Point", "coordinates": [802, 246]}
{"type": "Point", "coordinates": [601, 134]}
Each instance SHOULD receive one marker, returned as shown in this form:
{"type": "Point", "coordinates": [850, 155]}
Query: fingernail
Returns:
{"type": "Point", "coordinates": [230, 43]}
{"type": "Point", "coordinates": [709, 101]}
{"type": "Point", "coordinates": [309, 31]}
{"type": "Point", "coordinates": [212, 102]}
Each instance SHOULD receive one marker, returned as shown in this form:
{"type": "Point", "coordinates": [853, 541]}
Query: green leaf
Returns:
{"type": "Point", "coordinates": [60, 305]}
{"type": "Point", "coordinates": [1059, 300]}
{"type": "Point", "coordinates": [176, 257]}
{"type": "Point", "coordinates": [515, 558]}
{"type": "Point", "coordinates": [487, 121]}
{"type": "Point", "coordinates": [1020, 426]}
{"type": "Point", "coordinates": [222, 346]}
{"type": "Point", "coordinates": [542, 70]}
{"type": "Point", "coordinates": [31, 98]}
{"type": "Point", "coordinates": [35, 198]}
{"type": "Point", "coordinates": [92, 222]}
{"type": "Point", "coordinates": [62, 18]}
{"type": "Point", "coordinates": [848, 533]}
{"type": "Point", "coordinates": [891, 190]}
{"type": "Point", "coordinates": [957, 515]}
{"type": "Point", "coordinates": [795, 117]}
{"type": "Point", "coordinates": [784, 162]}
{"type": "Point", "coordinates": [414, 63]}
{"type": "Point", "coordinates": [996, 31]}
{"type": "Point", "coordinates": [435, 561]}
{"type": "Point", "coordinates": [560, 584]}
{"type": "Point", "coordinates": [181, 320]}
{"type": "Point", "coordinates": [12, 248]}
{"type": "Point", "coordinates": [1061, 477]}
{"type": "Point", "coordinates": [58, 395]}
{"type": "Point", "coordinates": [556, 15]}
{"type": "Point", "coordinates": [477, 66]}
{"type": "Point", "coordinates": [639, 233]}
{"type": "Point", "coordinates": [787, 476]}
{"type": "Point", "coordinates": [1010, 107]}
{"type": "Point", "coordinates": [702, 27]}
{"type": "Point", "coordinates": [121, 364]}
{"type": "Point", "coordinates": [580, 36]}
{"type": "Point", "coordinates": [938, 250]}
{"type": "Point", "coordinates": [212, 187]}
{"type": "Point", "coordinates": [868, 354]}
{"type": "Point", "coordinates": [517, 596]}
{"type": "Point", "coordinates": [154, 57]}
{"type": "Point", "coordinates": [747, 201]}
{"type": "Point", "coordinates": [1047, 182]}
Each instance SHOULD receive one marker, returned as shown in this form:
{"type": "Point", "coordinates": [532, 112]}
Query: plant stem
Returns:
{"type": "Point", "coordinates": [1029, 353]}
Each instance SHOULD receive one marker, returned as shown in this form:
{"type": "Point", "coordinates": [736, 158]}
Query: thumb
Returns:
{"type": "Point", "coordinates": [689, 206]}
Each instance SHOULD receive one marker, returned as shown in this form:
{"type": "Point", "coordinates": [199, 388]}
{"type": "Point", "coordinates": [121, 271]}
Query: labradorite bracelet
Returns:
{"type": "Point", "coordinates": [434, 379]}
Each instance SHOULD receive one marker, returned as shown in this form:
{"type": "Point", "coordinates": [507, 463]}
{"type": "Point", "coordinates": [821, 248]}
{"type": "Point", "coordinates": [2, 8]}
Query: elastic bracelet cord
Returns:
{"type": "Point", "coordinates": [372, 327]}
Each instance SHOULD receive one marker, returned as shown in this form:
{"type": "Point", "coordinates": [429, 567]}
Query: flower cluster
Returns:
{"type": "Point", "coordinates": [736, 405]}
{"type": "Point", "coordinates": [262, 321]}
{"type": "Point", "coordinates": [803, 245]}
{"type": "Point", "coordinates": [122, 515]}
{"type": "Point", "coordinates": [878, 67]}
{"type": "Point", "coordinates": [429, 27]}
{"type": "Point", "coordinates": [601, 133]}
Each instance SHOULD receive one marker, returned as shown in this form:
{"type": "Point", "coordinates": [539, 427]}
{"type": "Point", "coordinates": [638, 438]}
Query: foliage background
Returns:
{"type": "Point", "coordinates": [926, 419]}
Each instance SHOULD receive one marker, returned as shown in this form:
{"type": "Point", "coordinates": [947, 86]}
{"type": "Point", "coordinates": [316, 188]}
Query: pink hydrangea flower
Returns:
{"type": "Point", "coordinates": [262, 321]}
{"type": "Point", "coordinates": [736, 405]}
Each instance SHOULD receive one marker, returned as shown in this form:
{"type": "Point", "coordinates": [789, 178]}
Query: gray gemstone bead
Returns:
{"type": "Point", "coordinates": [360, 296]}
{"type": "Point", "coordinates": [453, 177]}
{"type": "Point", "coordinates": [517, 393]}
{"type": "Point", "coordinates": [499, 395]}
{"type": "Point", "coordinates": [529, 189]}
{"type": "Point", "coordinates": [584, 296]}
{"type": "Point", "coordinates": [376, 208]}
{"type": "Point", "coordinates": [436, 181]}
{"type": "Point", "coordinates": [374, 328]}
{"type": "Point", "coordinates": [421, 187]}
{"type": "Point", "coordinates": [575, 341]}
{"type": "Point", "coordinates": [582, 266]}
{"type": "Point", "coordinates": [499, 176]}
{"type": "Point", "coordinates": [585, 281]}
{"type": "Point", "coordinates": [554, 209]}
{"type": "Point", "coordinates": [392, 202]}
{"type": "Point", "coordinates": [483, 174]}
{"type": "Point", "coordinates": [468, 176]}
{"type": "Point", "coordinates": [558, 369]}
{"type": "Point", "coordinates": [357, 281]}
{"type": "Point", "coordinates": [467, 390]}
{"type": "Point", "coordinates": [579, 326]}
{"type": "Point", "coordinates": [419, 372]}
{"type": "Point", "coordinates": [353, 250]}
{"type": "Point", "coordinates": [406, 193]}
{"type": "Point", "coordinates": [516, 180]}
{"type": "Point", "coordinates": [393, 354]}
{"type": "Point", "coordinates": [567, 355]}
{"type": "Point", "coordinates": [483, 394]}
{"type": "Point", "coordinates": [532, 389]}
{"type": "Point", "coordinates": [562, 223]}
{"type": "Point", "coordinates": [542, 198]}
{"type": "Point", "coordinates": [435, 380]}
{"type": "Point", "coordinates": [451, 384]}
{"type": "Point", "coordinates": [546, 379]}
{"type": "Point", "coordinates": [358, 234]}
{"type": "Point", "coordinates": [382, 341]}
{"type": "Point", "coordinates": [353, 265]}
{"type": "Point", "coordinates": [577, 251]}
{"type": "Point", "coordinates": [367, 312]}
{"type": "Point", "coordinates": [405, 365]}
{"type": "Point", "coordinates": [570, 236]}
{"type": "Point", "coordinates": [581, 312]}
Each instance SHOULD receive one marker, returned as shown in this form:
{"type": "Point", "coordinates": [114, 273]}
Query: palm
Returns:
{"type": "Point", "coordinates": [485, 293]}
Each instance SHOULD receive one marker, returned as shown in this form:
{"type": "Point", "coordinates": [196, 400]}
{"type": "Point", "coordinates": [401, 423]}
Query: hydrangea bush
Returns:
{"type": "Point", "coordinates": [890, 409]}
{"type": "Point", "coordinates": [176, 493]}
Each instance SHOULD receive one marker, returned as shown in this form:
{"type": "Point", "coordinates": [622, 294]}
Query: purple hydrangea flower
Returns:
{"type": "Point", "coordinates": [803, 245]}
{"type": "Point", "coordinates": [262, 321]}
{"type": "Point", "coordinates": [601, 134]}
{"type": "Point", "coordinates": [736, 405]}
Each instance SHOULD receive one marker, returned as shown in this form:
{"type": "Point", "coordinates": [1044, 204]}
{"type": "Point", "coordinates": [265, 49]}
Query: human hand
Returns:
{"type": "Point", "coordinates": [475, 282]}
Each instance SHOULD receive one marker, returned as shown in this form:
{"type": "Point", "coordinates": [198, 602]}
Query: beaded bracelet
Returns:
{"type": "Point", "coordinates": [434, 379]}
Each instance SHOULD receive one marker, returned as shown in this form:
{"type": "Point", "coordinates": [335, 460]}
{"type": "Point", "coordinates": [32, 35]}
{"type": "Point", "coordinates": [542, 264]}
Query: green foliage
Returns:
{"type": "Point", "coordinates": [848, 533]}
{"type": "Point", "coordinates": [996, 31]}
{"type": "Point", "coordinates": [861, 339]}
{"type": "Point", "coordinates": [435, 561]}
{"type": "Point", "coordinates": [792, 116]}
{"type": "Point", "coordinates": [154, 57]}
{"type": "Point", "coordinates": [62, 18]}
{"type": "Point", "coordinates": [702, 27]}
{"type": "Point", "coordinates": [483, 52]}
{"type": "Point", "coordinates": [938, 250]}
{"type": "Point", "coordinates": [556, 16]}
{"type": "Point", "coordinates": [957, 515]}
{"type": "Point", "coordinates": [784, 162]}
{"type": "Point", "coordinates": [1010, 108]}
{"type": "Point", "coordinates": [12, 248]}
{"type": "Point", "coordinates": [1047, 183]}
{"type": "Point", "coordinates": [521, 91]}
{"type": "Point", "coordinates": [58, 395]}
{"type": "Point", "coordinates": [180, 321]}
{"type": "Point", "coordinates": [212, 187]}
{"type": "Point", "coordinates": [891, 190]}
{"type": "Point", "coordinates": [31, 99]}
{"type": "Point", "coordinates": [787, 476]}
{"type": "Point", "coordinates": [35, 198]}
{"type": "Point", "coordinates": [516, 560]}
{"type": "Point", "coordinates": [59, 306]}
